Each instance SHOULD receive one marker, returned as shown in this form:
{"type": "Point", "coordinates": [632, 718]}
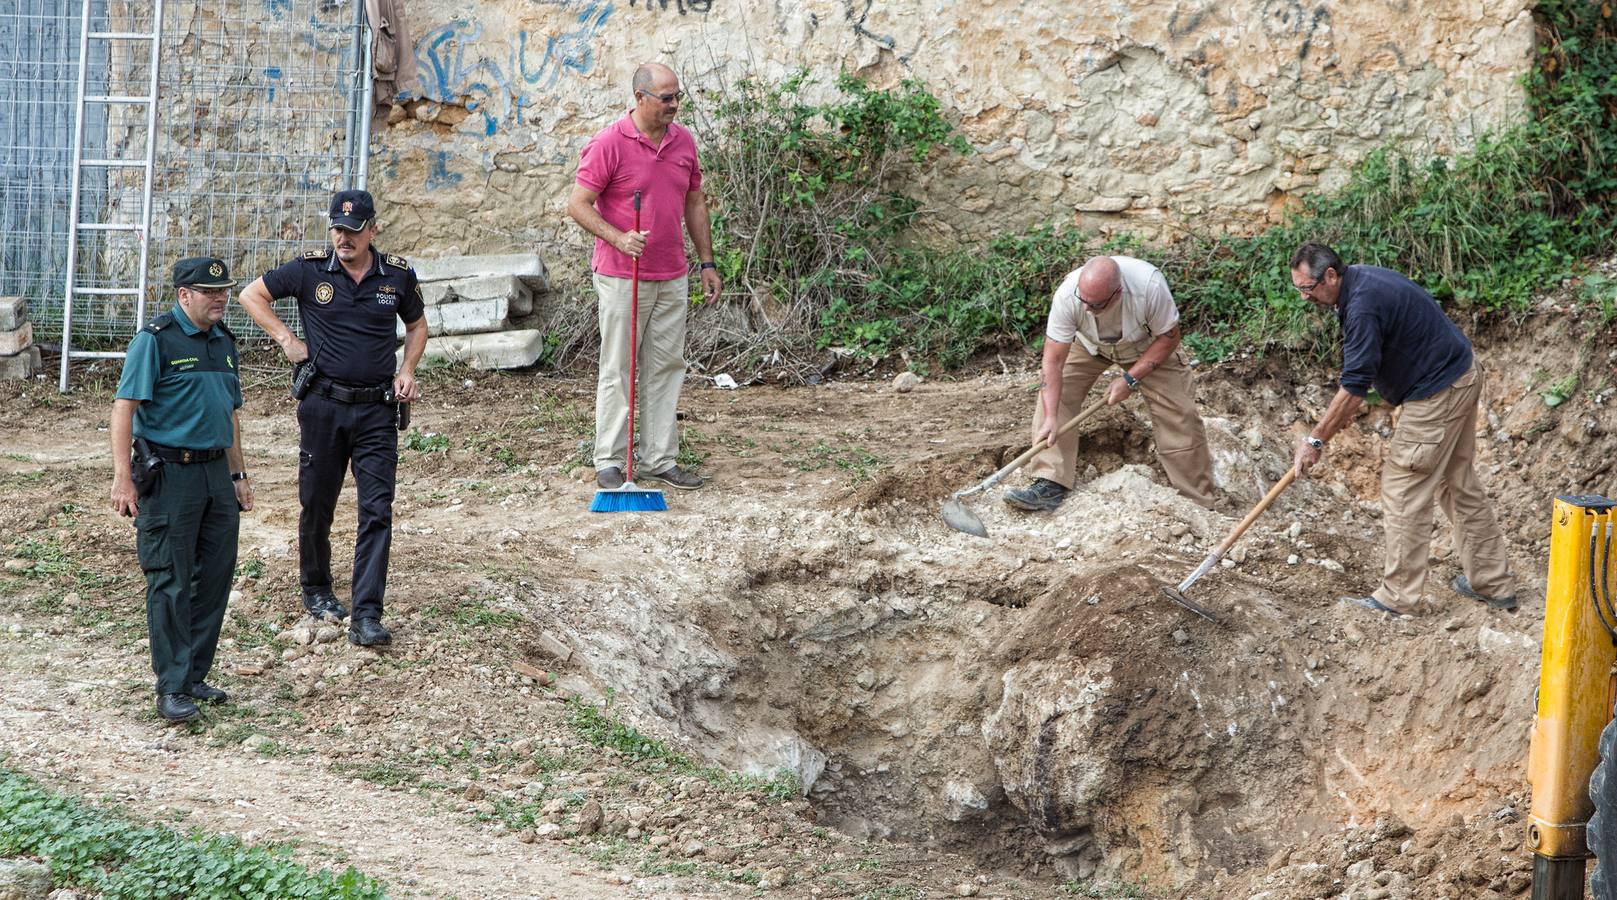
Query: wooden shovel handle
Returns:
{"type": "Point", "coordinates": [1265, 503]}
{"type": "Point", "coordinates": [1036, 449]}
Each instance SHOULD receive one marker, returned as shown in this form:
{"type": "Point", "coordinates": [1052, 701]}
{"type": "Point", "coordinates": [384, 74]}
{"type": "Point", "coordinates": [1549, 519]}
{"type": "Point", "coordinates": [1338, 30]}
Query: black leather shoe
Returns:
{"type": "Point", "coordinates": [202, 690]}
{"type": "Point", "coordinates": [325, 605]}
{"type": "Point", "coordinates": [609, 478]}
{"type": "Point", "coordinates": [368, 633]}
{"type": "Point", "coordinates": [1043, 494]}
{"type": "Point", "coordinates": [177, 707]}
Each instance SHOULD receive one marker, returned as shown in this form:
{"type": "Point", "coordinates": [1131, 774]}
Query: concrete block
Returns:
{"type": "Point", "coordinates": [16, 341]}
{"type": "Point", "coordinates": [489, 287]}
{"type": "Point", "coordinates": [466, 317]}
{"type": "Point", "coordinates": [21, 365]}
{"type": "Point", "coordinates": [526, 266]}
{"type": "Point", "coordinates": [13, 312]}
{"type": "Point", "coordinates": [498, 350]}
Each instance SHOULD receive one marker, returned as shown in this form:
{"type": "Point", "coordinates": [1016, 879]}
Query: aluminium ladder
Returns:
{"type": "Point", "coordinates": [93, 219]}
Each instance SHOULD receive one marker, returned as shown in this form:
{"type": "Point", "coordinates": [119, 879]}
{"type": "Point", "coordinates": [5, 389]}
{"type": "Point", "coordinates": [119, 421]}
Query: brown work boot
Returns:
{"type": "Point", "coordinates": [676, 477]}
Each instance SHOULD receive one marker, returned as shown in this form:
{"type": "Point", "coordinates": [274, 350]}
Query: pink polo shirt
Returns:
{"type": "Point", "coordinates": [619, 161]}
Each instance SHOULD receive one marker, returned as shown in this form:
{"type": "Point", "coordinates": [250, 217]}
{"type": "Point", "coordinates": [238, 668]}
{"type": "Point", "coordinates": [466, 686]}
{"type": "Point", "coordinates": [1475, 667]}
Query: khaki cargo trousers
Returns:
{"type": "Point", "coordinates": [660, 369]}
{"type": "Point", "coordinates": [1181, 437]}
{"type": "Point", "coordinates": [1433, 454]}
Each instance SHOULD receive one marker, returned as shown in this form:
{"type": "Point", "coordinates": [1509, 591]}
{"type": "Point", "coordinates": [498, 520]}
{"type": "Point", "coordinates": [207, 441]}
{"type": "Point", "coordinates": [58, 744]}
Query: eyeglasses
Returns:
{"type": "Point", "coordinates": [1097, 304]}
{"type": "Point", "coordinates": [675, 97]}
{"type": "Point", "coordinates": [1309, 286]}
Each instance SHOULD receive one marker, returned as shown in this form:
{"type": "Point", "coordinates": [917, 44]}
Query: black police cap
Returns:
{"type": "Point", "coordinates": [202, 272]}
{"type": "Point", "coordinates": [351, 210]}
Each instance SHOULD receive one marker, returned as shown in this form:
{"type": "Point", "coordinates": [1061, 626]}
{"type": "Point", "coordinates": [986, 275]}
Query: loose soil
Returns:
{"type": "Point", "coordinates": [1019, 716]}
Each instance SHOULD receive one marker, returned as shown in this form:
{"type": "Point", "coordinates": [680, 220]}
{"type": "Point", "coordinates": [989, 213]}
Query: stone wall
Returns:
{"type": "Point", "coordinates": [1151, 113]}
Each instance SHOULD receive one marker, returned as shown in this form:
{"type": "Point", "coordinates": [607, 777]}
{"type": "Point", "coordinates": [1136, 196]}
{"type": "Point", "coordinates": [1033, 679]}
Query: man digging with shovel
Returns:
{"type": "Point", "coordinates": [1396, 338]}
{"type": "Point", "coordinates": [1117, 310]}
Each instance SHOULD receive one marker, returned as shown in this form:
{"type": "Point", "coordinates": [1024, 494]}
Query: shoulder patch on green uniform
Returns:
{"type": "Point", "coordinates": [160, 323]}
{"type": "Point", "coordinates": [398, 261]}
{"type": "Point", "coordinates": [322, 253]}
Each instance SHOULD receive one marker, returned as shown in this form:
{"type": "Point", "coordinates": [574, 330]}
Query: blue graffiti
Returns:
{"type": "Point", "coordinates": [453, 70]}
{"type": "Point", "coordinates": [278, 8]}
{"type": "Point", "coordinates": [438, 174]}
{"type": "Point", "coordinates": [273, 73]}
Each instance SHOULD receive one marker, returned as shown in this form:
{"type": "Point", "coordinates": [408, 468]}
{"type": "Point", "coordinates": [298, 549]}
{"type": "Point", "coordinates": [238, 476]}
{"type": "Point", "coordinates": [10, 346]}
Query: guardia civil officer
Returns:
{"type": "Point", "coordinates": [349, 297]}
{"type": "Point", "coordinates": [187, 485]}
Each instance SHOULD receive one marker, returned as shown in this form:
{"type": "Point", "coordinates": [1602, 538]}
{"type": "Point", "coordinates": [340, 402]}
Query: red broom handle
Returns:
{"type": "Point", "coordinates": [634, 338]}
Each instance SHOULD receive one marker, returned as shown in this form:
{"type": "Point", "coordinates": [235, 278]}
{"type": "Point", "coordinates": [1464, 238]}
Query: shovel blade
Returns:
{"type": "Point", "coordinates": [958, 517]}
{"type": "Point", "coordinates": [1179, 597]}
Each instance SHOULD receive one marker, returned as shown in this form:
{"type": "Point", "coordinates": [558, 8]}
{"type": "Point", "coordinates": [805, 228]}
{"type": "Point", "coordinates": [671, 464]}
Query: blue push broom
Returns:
{"type": "Point", "coordinates": [629, 498]}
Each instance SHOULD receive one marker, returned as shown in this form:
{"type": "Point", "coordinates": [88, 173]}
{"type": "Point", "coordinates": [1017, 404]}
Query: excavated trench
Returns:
{"type": "Point", "coordinates": [1032, 700]}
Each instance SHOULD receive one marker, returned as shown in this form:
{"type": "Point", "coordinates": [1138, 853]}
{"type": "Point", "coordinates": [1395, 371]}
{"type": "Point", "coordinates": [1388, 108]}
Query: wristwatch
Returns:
{"type": "Point", "coordinates": [238, 476]}
{"type": "Point", "coordinates": [707, 265]}
{"type": "Point", "coordinates": [1131, 381]}
{"type": "Point", "coordinates": [1315, 442]}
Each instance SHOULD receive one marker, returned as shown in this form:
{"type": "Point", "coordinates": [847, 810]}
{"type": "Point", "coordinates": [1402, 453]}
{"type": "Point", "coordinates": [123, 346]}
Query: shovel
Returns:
{"type": "Point", "coordinates": [960, 518]}
{"type": "Point", "coordinates": [1177, 594]}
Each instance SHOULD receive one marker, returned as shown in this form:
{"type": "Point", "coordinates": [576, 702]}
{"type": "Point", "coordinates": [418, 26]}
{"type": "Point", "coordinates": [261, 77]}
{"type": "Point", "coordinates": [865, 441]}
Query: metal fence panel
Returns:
{"type": "Point", "coordinates": [257, 101]}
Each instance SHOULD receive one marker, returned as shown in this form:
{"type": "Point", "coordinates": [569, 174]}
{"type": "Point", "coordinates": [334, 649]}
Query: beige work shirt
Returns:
{"type": "Point", "coordinates": [1146, 310]}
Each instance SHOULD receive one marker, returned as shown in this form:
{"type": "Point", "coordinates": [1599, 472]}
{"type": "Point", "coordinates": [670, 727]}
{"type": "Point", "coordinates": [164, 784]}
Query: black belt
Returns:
{"type": "Point", "coordinates": [342, 393]}
{"type": "Point", "coordinates": [182, 456]}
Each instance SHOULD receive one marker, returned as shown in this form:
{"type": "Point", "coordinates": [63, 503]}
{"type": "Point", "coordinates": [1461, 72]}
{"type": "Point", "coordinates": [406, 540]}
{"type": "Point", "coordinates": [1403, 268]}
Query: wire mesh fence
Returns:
{"type": "Point", "coordinates": [255, 124]}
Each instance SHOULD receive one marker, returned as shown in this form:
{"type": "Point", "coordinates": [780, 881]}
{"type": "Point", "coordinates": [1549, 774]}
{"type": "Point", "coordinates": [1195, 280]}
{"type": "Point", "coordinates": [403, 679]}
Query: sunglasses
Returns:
{"type": "Point", "coordinates": [675, 97]}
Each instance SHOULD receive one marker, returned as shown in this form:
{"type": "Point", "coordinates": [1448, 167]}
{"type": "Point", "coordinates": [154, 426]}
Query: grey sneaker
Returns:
{"type": "Point", "coordinates": [609, 478]}
{"type": "Point", "coordinates": [1043, 494]}
{"type": "Point", "coordinates": [676, 477]}
{"type": "Point", "coordinates": [1462, 586]}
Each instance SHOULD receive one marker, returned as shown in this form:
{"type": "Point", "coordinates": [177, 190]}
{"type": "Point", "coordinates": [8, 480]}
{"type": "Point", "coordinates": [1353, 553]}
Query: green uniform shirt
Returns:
{"type": "Point", "coordinates": [186, 382]}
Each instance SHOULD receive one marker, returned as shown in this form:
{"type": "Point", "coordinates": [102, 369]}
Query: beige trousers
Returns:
{"type": "Point", "coordinates": [660, 367]}
{"type": "Point", "coordinates": [1433, 453]}
{"type": "Point", "coordinates": [1181, 437]}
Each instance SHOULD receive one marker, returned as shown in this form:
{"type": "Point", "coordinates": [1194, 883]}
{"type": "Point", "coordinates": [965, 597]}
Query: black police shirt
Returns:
{"type": "Point", "coordinates": [350, 327]}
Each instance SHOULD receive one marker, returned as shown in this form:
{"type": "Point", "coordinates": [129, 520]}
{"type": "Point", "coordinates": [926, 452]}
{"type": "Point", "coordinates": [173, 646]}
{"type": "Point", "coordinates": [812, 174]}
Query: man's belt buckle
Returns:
{"type": "Point", "coordinates": [185, 456]}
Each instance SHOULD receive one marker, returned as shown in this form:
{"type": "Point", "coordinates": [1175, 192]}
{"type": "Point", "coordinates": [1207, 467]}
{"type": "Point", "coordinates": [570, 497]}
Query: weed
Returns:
{"type": "Point", "coordinates": [858, 462]}
{"type": "Point", "coordinates": [1079, 887]}
{"type": "Point", "coordinates": [596, 725]}
{"type": "Point", "coordinates": [426, 442]}
{"type": "Point", "coordinates": [1558, 393]}
{"type": "Point", "coordinates": [110, 856]}
{"type": "Point", "coordinates": [387, 774]}
{"type": "Point", "coordinates": [475, 613]}
{"type": "Point", "coordinates": [250, 568]}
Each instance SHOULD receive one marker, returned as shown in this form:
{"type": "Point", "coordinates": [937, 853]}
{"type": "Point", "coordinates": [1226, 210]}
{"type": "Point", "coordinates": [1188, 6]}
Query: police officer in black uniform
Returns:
{"type": "Point", "coordinates": [349, 297]}
{"type": "Point", "coordinates": [177, 469]}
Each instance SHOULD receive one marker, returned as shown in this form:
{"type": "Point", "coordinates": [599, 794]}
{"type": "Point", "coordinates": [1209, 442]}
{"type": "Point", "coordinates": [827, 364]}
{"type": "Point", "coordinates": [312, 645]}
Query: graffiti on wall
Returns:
{"type": "Point", "coordinates": [456, 65]}
{"type": "Point", "coordinates": [684, 7]}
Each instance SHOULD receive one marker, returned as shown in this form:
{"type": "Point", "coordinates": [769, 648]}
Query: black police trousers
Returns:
{"type": "Point", "coordinates": [186, 538]}
{"type": "Point", "coordinates": [334, 435]}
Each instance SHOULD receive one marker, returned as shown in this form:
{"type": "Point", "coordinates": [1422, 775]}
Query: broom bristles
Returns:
{"type": "Point", "coordinates": [628, 499]}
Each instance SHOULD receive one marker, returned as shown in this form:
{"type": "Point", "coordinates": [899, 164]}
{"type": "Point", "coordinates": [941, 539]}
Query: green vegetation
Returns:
{"type": "Point", "coordinates": [474, 613]}
{"type": "Point", "coordinates": [856, 461]}
{"type": "Point", "coordinates": [426, 442]}
{"type": "Point", "coordinates": [815, 215]}
{"type": "Point", "coordinates": [1078, 887]}
{"type": "Point", "coordinates": [598, 726]}
{"type": "Point", "coordinates": [102, 851]}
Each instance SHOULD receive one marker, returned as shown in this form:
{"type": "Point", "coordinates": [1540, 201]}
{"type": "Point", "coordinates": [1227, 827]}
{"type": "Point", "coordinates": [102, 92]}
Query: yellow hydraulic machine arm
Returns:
{"type": "Point", "coordinates": [1575, 696]}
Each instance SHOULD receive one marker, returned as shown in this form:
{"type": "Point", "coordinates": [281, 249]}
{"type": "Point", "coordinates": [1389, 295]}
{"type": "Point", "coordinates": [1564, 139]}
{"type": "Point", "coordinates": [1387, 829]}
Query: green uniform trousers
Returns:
{"type": "Point", "coordinates": [186, 537]}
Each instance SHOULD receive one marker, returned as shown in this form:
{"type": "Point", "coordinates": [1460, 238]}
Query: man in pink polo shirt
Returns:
{"type": "Point", "coordinates": [643, 151]}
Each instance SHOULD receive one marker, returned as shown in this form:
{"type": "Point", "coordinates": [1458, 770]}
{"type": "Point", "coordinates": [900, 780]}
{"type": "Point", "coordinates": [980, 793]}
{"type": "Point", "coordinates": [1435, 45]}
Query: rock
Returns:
{"type": "Point", "coordinates": [590, 817]}
{"type": "Point", "coordinates": [527, 836]}
{"type": "Point", "coordinates": [16, 340]}
{"type": "Point", "coordinates": [1331, 565]}
{"type": "Point", "coordinates": [1509, 643]}
{"type": "Point", "coordinates": [1295, 531]}
{"type": "Point", "coordinates": [303, 636]}
{"type": "Point", "coordinates": [13, 313]}
{"type": "Point", "coordinates": [660, 840]}
{"type": "Point", "coordinates": [234, 598]}
{"type": "Point", "coordinates": [721, 854]}
{"type": "Point", "coordinates": [691, 849]}
{"type": "Point", "coordinates": [1238, 553]}
{"type": "Point", "coordinates": [549, 830]}
{"type": "Point", "coordinates": [1361, 870]}
{"type": "Point", "coordinates": [254, 741]}
{"type": "Point", "coordinates": [1180, 636]}
{"type": "Point", "coordinates": [494, 350]}
{"type": "Point", "coordinates": [1178, 529]}
{"type": "Point", "coordinates": [1293, 560]}
{"type": "Point", "coordinates": [19, 565]}
{"type": "Point", "coordinates": [327, 634]}
{"type": "Point", "coordinates": [473, 792]}
{"type": "Point", "coordinates": [24, 879]}
{"type": "Point", "coordinates": [527, 267]}
{"type": "Point", "coordinates": [292, 654]}
{"type": "Point", "coordinates": [555, 646]}
{"type": "Point", "coordinates": [772, 880]}
{"type": "Point", "coordinates": [965, 889]}
{"type": "Point", "coordinates": [904, 382]}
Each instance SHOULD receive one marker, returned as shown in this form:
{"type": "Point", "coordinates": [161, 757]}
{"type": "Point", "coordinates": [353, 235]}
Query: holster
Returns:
{"type": "Point", "coordinates": [144, 467]}
{"type": "Point", "coordinates": [303, 375]}
{"type": "Point", "coordinates": [401, 416]}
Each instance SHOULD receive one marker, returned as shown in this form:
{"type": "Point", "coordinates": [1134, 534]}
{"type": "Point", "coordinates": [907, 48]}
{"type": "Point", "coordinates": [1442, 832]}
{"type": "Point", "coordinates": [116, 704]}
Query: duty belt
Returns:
{"type": "Point", "coordinates": [342, 393]}
{"type": "Point", "coordinates": [182, 456]}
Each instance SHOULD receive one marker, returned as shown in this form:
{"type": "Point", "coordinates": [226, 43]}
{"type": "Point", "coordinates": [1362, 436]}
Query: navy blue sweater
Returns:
{"type": "Point", "coordinates": [1396, 338]}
